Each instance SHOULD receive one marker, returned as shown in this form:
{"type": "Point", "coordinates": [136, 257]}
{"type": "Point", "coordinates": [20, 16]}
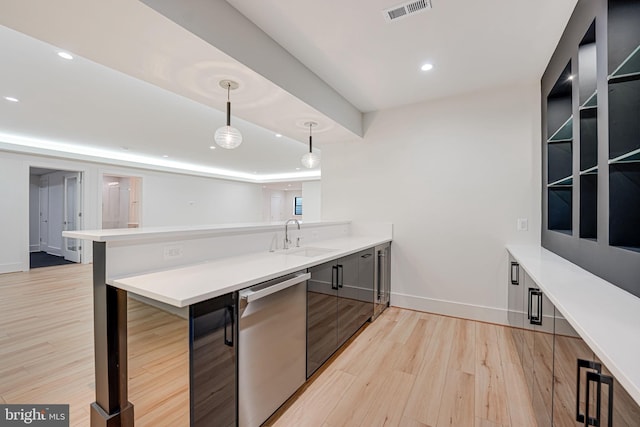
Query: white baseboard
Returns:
{"type": "Point", "coordinates": [451, 308]}
{"type": "Point", "coordinates": [11, 268]}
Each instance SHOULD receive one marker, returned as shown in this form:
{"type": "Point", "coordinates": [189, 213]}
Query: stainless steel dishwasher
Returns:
{"type": "Point", "coordinates": [271, 346]}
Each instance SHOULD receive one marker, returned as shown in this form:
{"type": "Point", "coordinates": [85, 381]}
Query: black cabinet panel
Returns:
{"type": "Point", "coordinates": [212, 362]}
{"type": "Point", "coordinates": [322, 315]}
{"type": "Point", "coordinates": [340, 300]}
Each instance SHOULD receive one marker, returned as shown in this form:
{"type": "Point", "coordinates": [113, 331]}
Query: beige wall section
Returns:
{"type": "Point", "coordinates": [453, 176]}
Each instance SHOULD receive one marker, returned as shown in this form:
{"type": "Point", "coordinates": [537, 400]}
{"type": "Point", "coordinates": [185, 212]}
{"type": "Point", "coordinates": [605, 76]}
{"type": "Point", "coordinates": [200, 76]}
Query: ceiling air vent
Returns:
{"type": "Point", "coordinates": [405, 9]}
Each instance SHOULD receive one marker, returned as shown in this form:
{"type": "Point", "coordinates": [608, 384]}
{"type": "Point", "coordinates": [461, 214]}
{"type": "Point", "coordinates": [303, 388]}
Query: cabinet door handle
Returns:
{"type": "Point", "coordinates": [229, 312]}
{"type": "Point", "coordinates": [340, 276]}
{"type": "Point", "coordinates": [334, 277]}
{"type": "Point", "coordinates": [537, 319]}
{"type": "Point", "coordinates": [598, 378]}
{"type": "Point", "coordinates": [379, 272]}
{"type": "Point", "coordinates": [594, 366]}
{"type": "Point", "coordinates": [365, 256]}
{"type": "Point", "coordinates": [515, 278]}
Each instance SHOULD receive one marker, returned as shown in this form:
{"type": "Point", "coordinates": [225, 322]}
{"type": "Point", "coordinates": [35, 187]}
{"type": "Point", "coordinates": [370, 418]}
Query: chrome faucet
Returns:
{"type": "Point", "coordinates": [287, 242]}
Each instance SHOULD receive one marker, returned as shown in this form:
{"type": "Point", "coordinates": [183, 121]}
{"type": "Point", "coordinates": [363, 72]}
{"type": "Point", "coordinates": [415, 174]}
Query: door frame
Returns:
{"type": "Point", "coordinates": [119, 174]}
{"type": "Point", "coordinates": [68, 254]}
{"type": "Point", "coordinates": [62, 166]}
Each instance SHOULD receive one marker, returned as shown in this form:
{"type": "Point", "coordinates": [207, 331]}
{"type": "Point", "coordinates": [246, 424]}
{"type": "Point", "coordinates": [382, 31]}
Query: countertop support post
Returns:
{"type": "Point", "coordinates": [111, 408]}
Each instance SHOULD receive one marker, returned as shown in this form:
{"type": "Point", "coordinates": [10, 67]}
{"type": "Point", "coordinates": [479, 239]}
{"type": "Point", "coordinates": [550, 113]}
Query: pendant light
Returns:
{"type": "Point", "coordinates": [228, 137]}
{"type": "Point", "coordinates": [310, 159]}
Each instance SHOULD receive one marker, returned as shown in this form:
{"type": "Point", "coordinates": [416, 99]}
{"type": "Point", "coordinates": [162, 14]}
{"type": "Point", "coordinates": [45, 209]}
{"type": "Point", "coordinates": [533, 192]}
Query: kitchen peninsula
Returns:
{"type": "Point", "coordinates": [186, 270]}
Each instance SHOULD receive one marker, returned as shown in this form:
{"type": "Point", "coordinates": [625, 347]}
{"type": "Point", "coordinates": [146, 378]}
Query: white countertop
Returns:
{"type": "Point", "coordinates": [606, 317]}
{"type": "Point", "coordinates": [122, 234]}
{"type": "Point", "coordinates": [188, 285]}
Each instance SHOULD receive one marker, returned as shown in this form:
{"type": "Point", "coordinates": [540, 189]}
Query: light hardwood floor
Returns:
{"type": "Point", "coordinates": [405, 369]}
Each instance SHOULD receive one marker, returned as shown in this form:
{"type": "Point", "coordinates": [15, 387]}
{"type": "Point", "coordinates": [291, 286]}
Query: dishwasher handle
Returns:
{"type": "Point", "coordinates": [250, 296]}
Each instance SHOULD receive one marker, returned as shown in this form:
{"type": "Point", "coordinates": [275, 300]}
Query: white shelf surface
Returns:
{"type": "Point", "coordinates": [144, 233]}
{"type": "Point", "coordinates": [183, 286]}
{"type": "Point", "coordinates": [605, 316]}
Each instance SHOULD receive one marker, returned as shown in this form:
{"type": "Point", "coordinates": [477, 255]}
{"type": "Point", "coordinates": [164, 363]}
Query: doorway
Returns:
{"type": "Point", "coordinates": [121, 201]}
{"type": "Point", "coordinates": [55, 205]}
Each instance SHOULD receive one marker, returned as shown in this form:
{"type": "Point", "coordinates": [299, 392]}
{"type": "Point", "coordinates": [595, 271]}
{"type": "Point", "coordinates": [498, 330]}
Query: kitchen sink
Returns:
{"type": "Point", "coordinates": [308, 251]}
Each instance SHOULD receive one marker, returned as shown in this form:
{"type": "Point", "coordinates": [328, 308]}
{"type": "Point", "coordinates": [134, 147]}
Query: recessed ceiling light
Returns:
{"type": "Point", "coordinates": [571, 77]}
{"type": "Point", "coordinates": [11, 99]}
{"type": "Point", "coordinates": [165, 155]}
{"type": "Point", "coordinates": [278, 135]}
{"type": "Point", "coordinates": [65, 55]}
{"type": "Point", "coordinates": [213, 147]}
{"type": "Point", "coordinates": [297, 169]}
{"type": "Point", "coordinates": [426, 67]}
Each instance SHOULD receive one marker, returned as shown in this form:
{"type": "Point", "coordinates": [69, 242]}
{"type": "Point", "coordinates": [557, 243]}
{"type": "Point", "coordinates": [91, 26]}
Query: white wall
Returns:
{"type": "Point", "coordinates": [452, 176]}
{"type": "Point", "coordinates": [167, 199]}
{"type": "Point", "coordinates": [312, 200]}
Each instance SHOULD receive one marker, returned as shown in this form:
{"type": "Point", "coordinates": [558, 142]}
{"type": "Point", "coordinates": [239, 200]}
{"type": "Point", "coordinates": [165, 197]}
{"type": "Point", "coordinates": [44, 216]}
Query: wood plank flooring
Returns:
{"type": "Point", "coordinates": [406, 369]}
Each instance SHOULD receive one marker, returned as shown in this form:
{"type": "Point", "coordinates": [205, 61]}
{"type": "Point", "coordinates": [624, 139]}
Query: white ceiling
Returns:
{"type": "Point", "coordinates": [375, 64]}
{"type": "Point", "coordinates": [144, 83]}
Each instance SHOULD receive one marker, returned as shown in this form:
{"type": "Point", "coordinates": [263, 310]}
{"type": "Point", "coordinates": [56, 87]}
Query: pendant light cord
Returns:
{"type": "Point", "coordinates": [310, 126]}
{"type": "Point", "coordinates": [228, 105]}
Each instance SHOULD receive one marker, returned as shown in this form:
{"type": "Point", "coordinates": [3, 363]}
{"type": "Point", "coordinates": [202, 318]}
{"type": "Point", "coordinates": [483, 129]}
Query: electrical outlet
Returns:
{"type": "Point", "coordinates": [173, 252]}
{"type": "Point", "coordinates": [523, 224]}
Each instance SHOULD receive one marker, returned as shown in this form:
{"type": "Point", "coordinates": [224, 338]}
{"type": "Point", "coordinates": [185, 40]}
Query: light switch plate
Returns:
{"type": "Point", "coordinates": [523, 224]}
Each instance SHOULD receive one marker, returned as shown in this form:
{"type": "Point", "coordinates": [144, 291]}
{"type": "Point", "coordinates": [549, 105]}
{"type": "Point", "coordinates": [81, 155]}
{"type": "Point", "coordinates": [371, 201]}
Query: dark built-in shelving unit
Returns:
{"type": "Point", "coordinates": [624, 124]}
{"type": "Point", "coordinates": [591, 142]}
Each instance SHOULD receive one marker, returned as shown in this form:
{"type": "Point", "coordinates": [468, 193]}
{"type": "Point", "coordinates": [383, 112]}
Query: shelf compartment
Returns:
{"type": "Point", "coordinates": [623, 36]}
{"type": "Point", "coordinates": [589, 206]}
{"type": "Point", "coordinates": [591, 102]}
{"type": "Point", "coordinates": [630, 67]}
{"type": "Point", "coordinates": [564, 182]}
{"type": "Point", "coordinates": [624, 205]}
{"type": "Point", "coordinates": [588, 138]}
{"type": "Point", "coordinates": [631, 157]}
{"type": "Point", "coordinates": [564, 133]}
{"type": "Point", "coordinates": [590, 171]}
{"type": "Point", "coordinates": [560, 209]}
{"type": "Point", "coordinates": [624, 125]}
{"type": "Point", "coordinates": [560, 158]}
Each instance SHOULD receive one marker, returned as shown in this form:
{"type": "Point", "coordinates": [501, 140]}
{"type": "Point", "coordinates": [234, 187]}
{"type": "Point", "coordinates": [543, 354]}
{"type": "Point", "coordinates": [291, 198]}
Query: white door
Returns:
{"type": "Point", "coordinates": [72, 215]}
{"type": "Point", "coordinates": [44, 213]}
{"type": "Point", "coordinates": [276, 208]}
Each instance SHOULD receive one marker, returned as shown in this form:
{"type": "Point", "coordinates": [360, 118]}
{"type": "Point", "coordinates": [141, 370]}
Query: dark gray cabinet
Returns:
{"type": "Point", "coordinates": [562, 373]}
{"type": "Point", "coordinates": [530, 314]}
{"type": "Point", "coordinates": [340, 297]}
{"type": "Point", "coordinates": [212, 362]}
{"type": "Point", "coordinates": [585, 392]}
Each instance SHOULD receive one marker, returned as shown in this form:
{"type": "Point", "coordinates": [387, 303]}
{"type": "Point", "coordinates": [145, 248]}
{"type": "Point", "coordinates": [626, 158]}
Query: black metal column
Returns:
{"type": "Point", "coordinates": [111, 408]}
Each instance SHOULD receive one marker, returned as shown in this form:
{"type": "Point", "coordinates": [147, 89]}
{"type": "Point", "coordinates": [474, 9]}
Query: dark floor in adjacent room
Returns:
{"type": "Point", "coordinates": [43, 259]}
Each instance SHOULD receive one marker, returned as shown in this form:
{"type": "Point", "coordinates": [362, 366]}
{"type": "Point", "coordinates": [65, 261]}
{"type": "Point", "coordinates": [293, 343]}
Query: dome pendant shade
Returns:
{"type": "Point", "coordinates": [310, 160]}
{"type": "Point", "coordinates": [227, 136]}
